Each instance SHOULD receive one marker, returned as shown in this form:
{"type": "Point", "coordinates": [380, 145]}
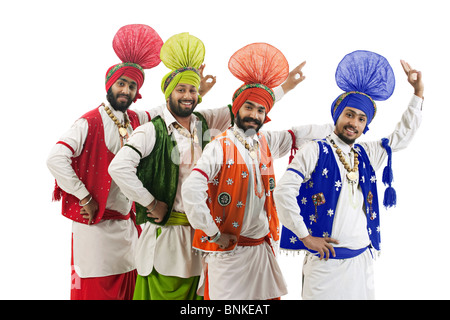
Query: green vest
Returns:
{"type": "Point", "coordinates": [158, 171]}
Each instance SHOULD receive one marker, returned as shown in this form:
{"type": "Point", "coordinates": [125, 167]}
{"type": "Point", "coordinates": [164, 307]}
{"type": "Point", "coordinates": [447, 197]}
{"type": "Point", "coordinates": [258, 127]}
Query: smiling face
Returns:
{"type": "Point", "coordinates": [251, 117]}
{"type": "Point", "coordinates": [183, 100]}
{"type": "Point", "coordinates": [350, 125]}
{"type": "Point", "coordinates": [122, 93]}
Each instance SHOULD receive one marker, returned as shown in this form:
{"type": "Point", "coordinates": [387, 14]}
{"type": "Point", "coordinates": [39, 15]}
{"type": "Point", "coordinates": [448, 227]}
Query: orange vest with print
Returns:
{"type": "Point", "coordinates": [227, 194]}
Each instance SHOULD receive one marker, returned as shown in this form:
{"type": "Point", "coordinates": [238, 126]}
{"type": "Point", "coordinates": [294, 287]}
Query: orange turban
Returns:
{"type": "Point", "coordinates": [261, 67]}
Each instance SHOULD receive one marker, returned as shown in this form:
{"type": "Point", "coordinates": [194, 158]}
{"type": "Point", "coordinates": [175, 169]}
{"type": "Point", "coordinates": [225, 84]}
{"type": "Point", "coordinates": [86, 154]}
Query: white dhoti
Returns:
{"type": "Point", "coordinates": [249, 273]}
{"type": "Point", "coordinates": [336, 279]}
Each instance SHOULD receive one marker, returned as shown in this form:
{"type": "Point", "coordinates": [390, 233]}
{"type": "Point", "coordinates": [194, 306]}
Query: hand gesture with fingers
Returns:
{"type": "Point", "coordinates": [321, 245]}
{"type": "Point", "coordinates": [414, 78]}
{"type": "Point", "coordinates": [206, 82]}
{"type": "Point", "coordinates": [294, 78]}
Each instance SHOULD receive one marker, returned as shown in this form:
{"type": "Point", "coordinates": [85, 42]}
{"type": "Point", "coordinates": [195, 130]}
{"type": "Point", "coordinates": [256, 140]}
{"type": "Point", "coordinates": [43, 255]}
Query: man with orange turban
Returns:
{"type": "Point", "coordinates": [232, 207]}
{"type": "Point", "coordinates": [153, 166]}
{"type": "Point", "coordinates": [103, 235]}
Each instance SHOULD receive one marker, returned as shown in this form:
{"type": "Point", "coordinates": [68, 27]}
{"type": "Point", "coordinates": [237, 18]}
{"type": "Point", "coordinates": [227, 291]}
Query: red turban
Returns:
{"type": "Point", "coordinates": [261, 67]}
{"type": "Point", "coordinates": [138, 47]}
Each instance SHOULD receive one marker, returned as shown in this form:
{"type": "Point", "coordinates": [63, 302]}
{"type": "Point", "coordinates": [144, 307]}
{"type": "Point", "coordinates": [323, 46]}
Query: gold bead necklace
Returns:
{"type": "Point", "coordinates": [252, 150]}
{"type": "Point", "coordinates": [185, 132]}
{"type": "Point", "coordinates": [122, 128]}
{"type": "Point", "coordinates": [352, 174]}
{"type": "Point", "coordinates": [192, 136]}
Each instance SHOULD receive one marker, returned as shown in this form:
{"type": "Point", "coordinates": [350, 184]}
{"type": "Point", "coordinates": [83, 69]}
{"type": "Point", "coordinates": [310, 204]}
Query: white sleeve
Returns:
{"type": "Point", "coordinates": [280, 142]}
{"type": "Point", "coordinates": [402, 135]}
{"type": "Point", "coordinates": [218, 120]}
{"type": "Point", "coordinates": [59, 161]}
{"type": "Point", "coordinates": [123, 167]}
{"type": "Point", "coordinates": [194, 189]}
{"type": "Point", "coordinates": [143, 116]}
{"type": "Point", "coordinates": [279, 93]}
{"type": "Point", "coordinates": [287, 189]}
{"type": "Point", "coordinates": [308, 132]}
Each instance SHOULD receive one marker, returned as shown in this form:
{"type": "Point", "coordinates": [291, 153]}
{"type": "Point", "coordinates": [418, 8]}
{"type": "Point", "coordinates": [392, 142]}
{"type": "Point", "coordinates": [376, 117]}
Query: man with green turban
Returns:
{"type": "Point", "coordinates": [164, 153]}
{"type": "Point", "coordinates": [183, 54]}
{"type": "Point", "coordinates": [153, 165]}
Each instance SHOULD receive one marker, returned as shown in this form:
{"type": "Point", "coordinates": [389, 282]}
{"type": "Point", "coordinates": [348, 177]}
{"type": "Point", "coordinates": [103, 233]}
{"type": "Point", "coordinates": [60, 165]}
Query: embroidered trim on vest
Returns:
{"type": "Point", "coordinates": [317, 201]}
{"type": "Point", "coordinates": [227, 194]}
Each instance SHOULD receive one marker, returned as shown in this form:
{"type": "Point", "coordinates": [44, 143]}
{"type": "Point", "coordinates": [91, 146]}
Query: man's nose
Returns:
{"type": "Point", "coordinates": [352, 122]}
{"type": "Point", "coordinates": [187, 95]}
{"type": "Point", "coordinates": [125, 90]}
{"type": "Point", "coordinates": [254, 114]}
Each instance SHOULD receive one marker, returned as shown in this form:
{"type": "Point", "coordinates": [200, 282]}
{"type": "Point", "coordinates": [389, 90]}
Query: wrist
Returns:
{"type": "Point", "coordinates": [88, 198]}
{"type": "Point", "coordinates": [214, 238]}
{"type": "Point", "coordinates": [419, 93]}
{"type": "Point", "coordinates": [149, 210]}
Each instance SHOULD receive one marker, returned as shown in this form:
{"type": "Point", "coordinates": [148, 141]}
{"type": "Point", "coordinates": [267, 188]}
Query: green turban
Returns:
{"type": "Point", "coordinates": [183, 54]}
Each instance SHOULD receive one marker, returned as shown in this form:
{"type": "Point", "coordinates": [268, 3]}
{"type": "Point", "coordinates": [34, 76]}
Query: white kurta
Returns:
{"type": "Point", "coordinates": [255, 273]}
{"type": "Point", "coordinates": [350, 224]}
{"type": "Point", "coordinates": [248, 272]}
{"type": "Point", "coordinates": [106, 248]}
{"type": "Point", "coordinates": [171, 253]}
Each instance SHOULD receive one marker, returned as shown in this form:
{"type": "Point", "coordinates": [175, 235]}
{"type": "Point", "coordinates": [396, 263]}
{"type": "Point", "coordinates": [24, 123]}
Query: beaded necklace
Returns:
{"type": "Point", "coordinates": [185, 133]}
{"type": "Point", "coordinates": [192, 136]}
{"type": "Point", "coordinates": [253, 151]}
{"type": "Point", "coordinates": [122, 127]}
{"type": "Point", "coordinates": [352, 175]}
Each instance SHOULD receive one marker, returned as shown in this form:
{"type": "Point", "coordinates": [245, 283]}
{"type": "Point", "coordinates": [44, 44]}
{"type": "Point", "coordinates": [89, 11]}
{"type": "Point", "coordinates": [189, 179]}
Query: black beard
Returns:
{"type": "Point", "coordinates": [345, 139]}
{"type": "Point", "coordinates": [248, 131]}
{"type": "Point", "coordinates": [178, 111]}
{"type": "Point", "coordinates": [117, 106]}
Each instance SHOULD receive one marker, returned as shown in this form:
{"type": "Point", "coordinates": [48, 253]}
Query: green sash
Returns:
{"type": "Point", "coordinates": [177, 219]}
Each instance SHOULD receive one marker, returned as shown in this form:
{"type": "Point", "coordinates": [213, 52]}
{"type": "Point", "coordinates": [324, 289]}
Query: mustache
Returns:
{"type": "Point", "coordinates": [124, 95]}
{"type": "Point", "coordinates": [250, 119]}
{"type": "Point", "coordinates": [351, 127]}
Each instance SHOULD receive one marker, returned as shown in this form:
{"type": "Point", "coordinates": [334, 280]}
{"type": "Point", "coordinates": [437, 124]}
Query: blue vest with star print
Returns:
{"type": "Point", "coordinates": [319, 195]}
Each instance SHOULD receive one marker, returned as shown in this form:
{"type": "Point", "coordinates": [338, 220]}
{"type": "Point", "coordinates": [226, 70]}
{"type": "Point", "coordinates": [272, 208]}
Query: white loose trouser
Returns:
{"type": "Point", "coordinates": [337, 279]}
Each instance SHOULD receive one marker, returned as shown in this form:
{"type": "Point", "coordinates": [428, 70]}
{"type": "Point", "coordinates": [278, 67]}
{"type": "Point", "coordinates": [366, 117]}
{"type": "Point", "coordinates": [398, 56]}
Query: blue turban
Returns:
{"type": "Point", "coordinates": [365, 77]}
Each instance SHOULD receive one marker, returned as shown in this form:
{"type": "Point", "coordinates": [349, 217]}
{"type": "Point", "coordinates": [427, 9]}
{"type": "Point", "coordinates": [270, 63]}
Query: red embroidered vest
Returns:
{"type": "Point", "coordinates": [227, 194]}
{"type": "Point", "coordinates": [91, 167]}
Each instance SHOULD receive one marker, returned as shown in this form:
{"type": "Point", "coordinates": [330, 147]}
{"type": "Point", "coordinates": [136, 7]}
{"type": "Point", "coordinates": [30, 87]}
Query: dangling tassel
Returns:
{"type": "Point", "coordinates": [293, 148]}
{"type": "Point", "coordinates": [390, 195]}
{"type": "Point", "coordinates": [57, 193]}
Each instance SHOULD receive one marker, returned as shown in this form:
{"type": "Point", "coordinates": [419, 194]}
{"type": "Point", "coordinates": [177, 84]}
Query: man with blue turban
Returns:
{"type": "Point", "coordinates": [332, 183]}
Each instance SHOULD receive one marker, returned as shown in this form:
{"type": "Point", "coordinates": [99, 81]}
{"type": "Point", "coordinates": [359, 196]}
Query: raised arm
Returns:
{"type": "Point", "coordinates": [414, 78]}
{"type": "Point", "coordinates": [407, 127]}
{"type": "Point", "coordinates": [206, 82]}
{"type": "Point", "coordinates": [295, 77]}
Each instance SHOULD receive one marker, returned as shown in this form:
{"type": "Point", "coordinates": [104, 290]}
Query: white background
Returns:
{"type": "Point", "coordinates": [54, 56]}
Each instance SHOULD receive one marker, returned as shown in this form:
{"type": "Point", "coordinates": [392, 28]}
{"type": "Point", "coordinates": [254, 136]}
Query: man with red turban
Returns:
{"type": "Point", "coordinates": [103, 235]}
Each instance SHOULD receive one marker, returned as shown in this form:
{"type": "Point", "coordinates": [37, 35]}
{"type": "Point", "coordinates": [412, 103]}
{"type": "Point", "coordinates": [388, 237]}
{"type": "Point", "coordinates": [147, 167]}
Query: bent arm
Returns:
{"type": "Point", "coordinates": [59, 161]}
{"type": "Point", "coordinates": [124, 165]}
{"type": "Point", "coordinates": [194, 189]}
{"type": "Point", "coordinates": [402, 135]}
{"type": "Point", "coordinates": [288, 187]}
